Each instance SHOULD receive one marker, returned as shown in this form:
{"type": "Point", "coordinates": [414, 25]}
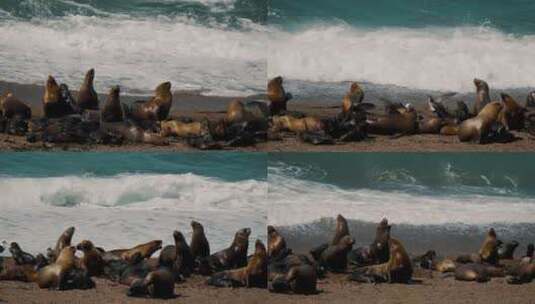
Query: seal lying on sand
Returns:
{"type": "Point", "coordinates": [484, 127]}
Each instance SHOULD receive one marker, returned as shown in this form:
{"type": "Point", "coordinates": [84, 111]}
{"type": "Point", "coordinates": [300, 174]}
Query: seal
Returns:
{"type": "Point", "coordinates": [63, 241]}
{"type": "Point", "coordinates": [182, 260]}
{"type": "Point", "coordinates": [20, 256]}
{"type": "Point", "coordinates": [446, 265]}
{"type": "Point", "coordinates": [235, 255]}
{"type": "Point", "coordinates": [525, 273]}
{"type": "Point", "coordinates": [300, 279]}
{"type": "Point", "coordinates": [297, 125]}
{"type": "Point", "coordinates": [200, 248]}
{"type": "Point", "coordinates": [482, 95]}
{"type": "Point", "coordinates": [156, 284]}
{"type": "Point", "coordinates": [488, 252]}
{"type": "Point", "coordinates": [379, 250]}
{"type": "Point", "coordinates": [277, 96]}
{"type": "Point", "coordinates": [398, 269]}
{"type": "Point", "coordinates": [341, 229]}
{"type": "Point", "coordinates": [55, 100]}
{"type": "Point", "coordinates": [477, 272]}
{"type": "Point", "coordinates": [403, 120]}
{"type": "Point", "coordinates": [426, 260]}
{"type": "Point", "coordinates": [184, 129]}
{"type": "Point", "coordinates": [92, 260]}
{"type": "Point", "coordinates": [12, 107]}
{"type": "Point", "coordinates": [507, 252]}
{"type": "Point", "coordinates": [253, 275]}
{"type": "Point", "coordinates": [127, 132]}
{"type": "Point", "coordinates": [112, 110]}
{"type": "Point", "coordinates": [530, 100]}
{"type": "Point", "coordinates": [334, 258]}
{"type": "Point", "coordinates": [276, 243]}
{"type": "Point", "coordinates": [251, 111]}
{"type": "Point", "coordinates": [352, 98]}
{"type": "Point", "coordinates": [477, 129]}
{"type": "Point", "coordinates": [155, 109]}
{"type": "Point", "coordinates": [512, 114]}
{"type": "Point", "coordinates": [146, 250]}
{"type": "Point", "coordinates": [87, 96]}
{"type": "Point", "coordinates": [53, 276]}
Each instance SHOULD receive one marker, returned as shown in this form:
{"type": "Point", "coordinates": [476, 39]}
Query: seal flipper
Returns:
{"type": "Point", "coordinates": [317, 251]}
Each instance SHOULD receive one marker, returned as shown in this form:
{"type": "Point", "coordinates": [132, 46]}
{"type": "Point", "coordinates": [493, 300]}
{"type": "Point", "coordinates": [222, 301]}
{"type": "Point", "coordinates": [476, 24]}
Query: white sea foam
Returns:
{"type": "Point", "coordinates": [125, 210]}
{"type": "Point", "coordinates": [296, 201]}
{"type": "Point", "coordinates": [442, 59]}
{"type": "Point", "coordinates": [136, 53]}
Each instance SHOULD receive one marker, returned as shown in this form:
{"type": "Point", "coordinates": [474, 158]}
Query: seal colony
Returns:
{"type": "Point", "coordinates": [136, 268]}
{"type": "Point", "coordinates": [87, 120]}
{"type": "Point", "coordinates": [386, 260]}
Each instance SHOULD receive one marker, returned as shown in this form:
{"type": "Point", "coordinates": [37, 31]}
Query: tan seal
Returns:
{"type": "Point", "coordinates": [155, 109]}
{"type": "Point", "coordinates": [277, 96]}
{"type": "Point", "coordinates": [477, 128]}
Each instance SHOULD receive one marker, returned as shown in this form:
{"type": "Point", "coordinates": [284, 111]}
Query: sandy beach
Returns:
{"type": "Point", "coordinates": [189, 104]}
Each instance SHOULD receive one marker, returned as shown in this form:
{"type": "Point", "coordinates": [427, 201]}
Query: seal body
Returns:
{"type": "Point", "coordinates": [155, 109]}
{"type": "Point", "coordinates": [112, 110]}
{"type": "Point", "coordinates": [56, 100]}
{"type": "Point", "coordinates": [92, 260]}
{"type": "Point", "coordinates": [402, 120]}
{"type": "Point", "coordinates": [477, 129]}
{"type": "Point", "coordinates": [482, 95]}
{"type": "Point", "coordinates": [352, 98]}
{"type": "Point", "coordinates": [200, 248]}
{"type": "Point", "coordinates": [87, 96]}
{"type": "Point", "coordinates": [156, 284]}
{"type": "Point", "coordinates": [277, 96]}
{"type": "Point", "coordinates": [235, 255]}
{"type": "Point", "coordinates": [512, 114]}
{"type": "Point", "coordinates": [276, 243]}
{"type": "Point", "coordinates": [13, 107]}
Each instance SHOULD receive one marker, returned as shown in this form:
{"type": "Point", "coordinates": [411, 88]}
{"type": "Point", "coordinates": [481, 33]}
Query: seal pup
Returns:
{"type": "Point", "coordinates": [482, 95]}
{"type": "Point", "coordinates": [92, 260]}
{"type": "Point", "coordinates": [512, 114]}
{"type": "Point", "coordinates": [352, 98]}
{"type": "Point", "coordinates": [253, 275]}
{"type": "Point", "coordinates": [155, 109]}
{"type": "Point", "coordinates": [277, 96]}
{"type": "Point", "coordinates": [63, 241]}
{"type": "Point", "coordinates": [156, 284]}
{"type": "Point", "coordinates": [87, 96]}
{"type": "Point", "coordinates": [112, 110]}
{"type": "Point", "coordinates": [235, 255]}
{"type": "Point", "coordinates": [12, 107]}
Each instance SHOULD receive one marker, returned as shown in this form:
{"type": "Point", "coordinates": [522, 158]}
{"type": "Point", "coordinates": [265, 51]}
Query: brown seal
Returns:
{"type": "Point", "coordinates": [352, 98]}
{"type": "Point", "coordinates": [277, 96]}
{"type": "Point", "coordinates": [302, 279]}
{"type": "Point", "coordinates": [156, 284]}
{"type": "Point", "coordinates": [297, 125]}
{"type": "Point", "coordinates": [512, 114]}
{"type": "Point", "coordinates": [87, 96]}
{"type": "Point", "coordinates": [253, 111]}
{"type": "Point", "coordinates": [402, 120]}
{"type": "Point", "coordinates": [12, 107]}
{"type": "Point", "coordinates": [477, 272]}
{"type": "Point", "coordinates": [341, 229]}
{"type": "Point", "coordinates": [146, 250]}
{"type": "Point", "coordinates": [92, 260]}
{"type": "Point", "coordinates": [276, 243]}
{"type": "Point", "coordinates": [488, 252]}
{"type": "Point", "coordinates": [184, 129]}
{"type": "Point", "coordinates": [112, 110]}
{"type": "Point", "coordinates": [132, 133]}
{"type": "Point", "coordinates": [155, 109]}
{"type": "Point", "coordinates": [63, 241]}
{"type": "Point", "coordinates": [379, 248]}
{"type": "Point", "coordinates": [200, 248]}
{"type": "Point", "coordinates": [236, 254]}
{"type": "Point", "coordinates": [253, 275]}
{"type": "Point", "coordinates": [477, 128]}
{"type": "Point", "coordinates": [507, 252]}
{"type": "Point", "coordinates": [56, 100]}
{"type": "Point", "coordinates": [52, 276]}
{"type": "Point", "coordinates": [334, 258]}
{"type": "Point", "coordinates": [398, 269]}
{"type": "Point", "coordinates": [482, 95]}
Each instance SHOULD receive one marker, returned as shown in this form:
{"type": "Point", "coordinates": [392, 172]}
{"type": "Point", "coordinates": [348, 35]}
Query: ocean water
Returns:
{"type": "Point", "coordinates": [212, 47]}
{"type": "Point", "coordinates": [405, 49]}
{"type": "Point", "coordinates": [123, 199]}
{"type": "Point", "coordinates": [451, 189]}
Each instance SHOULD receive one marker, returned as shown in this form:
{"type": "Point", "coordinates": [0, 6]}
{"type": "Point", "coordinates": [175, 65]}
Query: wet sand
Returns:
{"type": "Point", "coordinates": [189, 104]}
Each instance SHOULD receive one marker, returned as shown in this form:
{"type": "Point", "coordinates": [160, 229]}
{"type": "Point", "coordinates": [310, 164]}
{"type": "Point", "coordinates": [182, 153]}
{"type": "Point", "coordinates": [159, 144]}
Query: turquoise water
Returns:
{"type": "Point", "coordinates": [224, 166]}
{"type": "Point", "coordinates": [514, 17]}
